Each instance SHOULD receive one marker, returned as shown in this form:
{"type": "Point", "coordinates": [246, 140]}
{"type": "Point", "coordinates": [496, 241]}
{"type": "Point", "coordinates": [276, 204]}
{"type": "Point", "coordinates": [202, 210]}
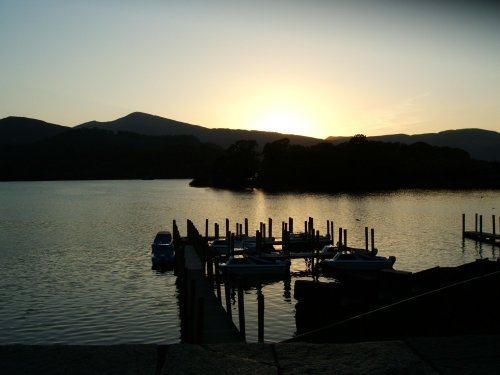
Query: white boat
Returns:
{"type": "Point", "coordinates": [241, 265]}
{"type": "Point", "coordinates": [162, 250]}
{"type": "Point", "coordinates": [329, 251]}
{"type": "Point", "coordinates": [357, 261]}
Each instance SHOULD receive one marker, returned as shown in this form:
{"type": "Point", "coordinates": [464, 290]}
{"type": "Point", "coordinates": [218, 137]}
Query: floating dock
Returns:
{"type": "Point", "coordinates": [478, 234]}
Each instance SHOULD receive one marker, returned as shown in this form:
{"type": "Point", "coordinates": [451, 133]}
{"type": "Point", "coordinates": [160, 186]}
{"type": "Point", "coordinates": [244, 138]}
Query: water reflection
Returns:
{"type": "Point", "coordinates": [91, 266]}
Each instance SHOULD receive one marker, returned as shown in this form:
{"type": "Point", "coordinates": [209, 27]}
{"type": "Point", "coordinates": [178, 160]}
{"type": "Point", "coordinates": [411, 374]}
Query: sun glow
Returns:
{"type": "Point", "coordinates": [286, 119]}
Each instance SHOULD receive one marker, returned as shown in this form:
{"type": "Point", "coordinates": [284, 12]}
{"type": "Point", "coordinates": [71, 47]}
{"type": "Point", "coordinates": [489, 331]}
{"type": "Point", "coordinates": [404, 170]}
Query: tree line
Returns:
{"type": "Point", "coordinates": [356, 165]}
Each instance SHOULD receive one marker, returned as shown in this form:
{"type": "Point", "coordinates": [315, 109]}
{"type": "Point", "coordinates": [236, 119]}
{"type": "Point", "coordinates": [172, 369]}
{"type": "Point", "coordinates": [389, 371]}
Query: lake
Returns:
{"type": "Point", "coordinates": [75, 255]}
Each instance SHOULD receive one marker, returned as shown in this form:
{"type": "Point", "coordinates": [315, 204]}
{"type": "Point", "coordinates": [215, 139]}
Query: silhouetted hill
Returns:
{"type": "Point", "coordinates": [480, 144]}
{"type": "Point", "coordinates": [22, 130]}
{"type": "Point", "coordinates": [146, 124]}
{"type": "Point", "coordinates": [80, 154]}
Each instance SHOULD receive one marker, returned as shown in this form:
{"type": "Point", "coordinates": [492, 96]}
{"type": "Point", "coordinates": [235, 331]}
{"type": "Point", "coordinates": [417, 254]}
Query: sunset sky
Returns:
{"type": "Point", "coordinates": [316, 67]}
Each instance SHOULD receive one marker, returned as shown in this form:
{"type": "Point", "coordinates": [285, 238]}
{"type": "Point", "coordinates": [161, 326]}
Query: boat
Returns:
{"type": "Point", "coordinates": [329, 251]}
{"type": "Point", "coordinates": [301, 240]}
{"type": "Point", "coordinates": [162, 250]}
{"type": "Point", "coordinates": [357, 261]}
{"type": "Point", "coordinates": [249, 265]}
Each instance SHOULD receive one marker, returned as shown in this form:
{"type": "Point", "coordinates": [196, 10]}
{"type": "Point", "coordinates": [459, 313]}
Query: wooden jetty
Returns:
{"type": "Point", "coordinates": [478, 234]}
{"type": "Point", "coordinates": [203, 318]}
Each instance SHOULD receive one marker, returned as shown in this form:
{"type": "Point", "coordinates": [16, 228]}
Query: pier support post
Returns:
{"type": "Point", "coordinates": [227, 292]}
{"type": "Point", "coordinates": [333, 233]}
{"type": "Point", "coordinates": [366, 238]}
{"type": "Point", "coordinates": [290, 224]}
{"type": "Point", "coordinates": [340, 238]}
{"type": "Point", "coordinates": [246, 227]}
{"type": "Point", "coordinates": [241, 309]}
{"type": "Point", "coordinates": [217, 281]}
{"type": "Point", "coordinates": [463, 225]}
{"type": "Point", "coordinates": [493, 227]}
{"type": "Point", "coordinates": [476, 225]}
{"type": "Point", "coordinates": [260, 315]}
{"type": "Point", "coordinates": [199, 321]}
{"type": "Point", "coordinates": [270, 227]}
{"type": "Point", "coordinates": [480, 227]}
{"type": "Point", "coordinates": [206, 228]}
{"type": "Point", "coordinates": [345, 238]}
{"type": "Point", "coordinates": [373, 239]}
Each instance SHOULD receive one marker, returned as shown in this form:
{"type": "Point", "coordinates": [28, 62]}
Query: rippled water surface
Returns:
{"type": "Point", "coordinates": [75, 255]}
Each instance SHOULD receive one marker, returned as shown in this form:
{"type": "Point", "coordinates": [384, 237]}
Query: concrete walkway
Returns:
{"type": "Point", "coordinates": [478, 354]}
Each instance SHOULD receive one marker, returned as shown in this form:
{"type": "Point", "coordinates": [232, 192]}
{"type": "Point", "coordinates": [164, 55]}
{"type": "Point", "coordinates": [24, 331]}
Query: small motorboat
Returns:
{"type": "Point", "coordinates": [357, 261]}
{"type": "Point", "coordinates": [162, 250]}
{"type": "Point", "coordinates": [248, 265]}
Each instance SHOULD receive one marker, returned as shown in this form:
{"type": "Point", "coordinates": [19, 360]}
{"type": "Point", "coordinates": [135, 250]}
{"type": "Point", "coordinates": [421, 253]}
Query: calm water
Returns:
{"type": "Point", "coordinates": [75, 256]}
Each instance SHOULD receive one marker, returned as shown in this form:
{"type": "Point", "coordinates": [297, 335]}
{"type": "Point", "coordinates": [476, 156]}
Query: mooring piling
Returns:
{"type": "Point", "coordinates": [241, 309]}
{"type": "Point", "coordinates": [260, 315]}
{"type": "Point", "coordinates": [479, 235]}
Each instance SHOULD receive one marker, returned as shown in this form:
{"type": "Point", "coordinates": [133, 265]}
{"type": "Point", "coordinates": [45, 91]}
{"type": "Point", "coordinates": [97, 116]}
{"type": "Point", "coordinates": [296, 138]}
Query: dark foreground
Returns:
{"type": "Point", "coordinates": [474, 354]}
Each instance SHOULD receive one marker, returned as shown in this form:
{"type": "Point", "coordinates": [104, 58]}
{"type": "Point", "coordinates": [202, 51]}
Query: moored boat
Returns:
{"type": "Point", "coordinates": [357, 261]}
{"type": "Point", "coordinates": [241, 265]}
{"type": "Point", "coordinates": [162, 250]}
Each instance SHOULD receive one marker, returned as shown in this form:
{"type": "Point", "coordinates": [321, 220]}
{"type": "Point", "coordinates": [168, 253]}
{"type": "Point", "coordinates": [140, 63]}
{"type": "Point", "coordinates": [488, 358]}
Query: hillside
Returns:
{"type": "Point", "coordinates": [146, 124]}
{"type": "Point", "coordinates": [22, 130]}
{"type": "Point", "coordinates": [81, 154]}
{"type": "Point", "coordinates": [480, 144]}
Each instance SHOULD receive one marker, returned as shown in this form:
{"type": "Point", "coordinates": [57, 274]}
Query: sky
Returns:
{"type": "Point", "coordinates": [311, 67]}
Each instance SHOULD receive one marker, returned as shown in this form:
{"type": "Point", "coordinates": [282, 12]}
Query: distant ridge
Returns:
{"type": "Point", "coordinates": [479, 143]}
{"type": "Point", "coordinates": [23, 130]}
{"type": "Point", "coordinates": [146, 124]}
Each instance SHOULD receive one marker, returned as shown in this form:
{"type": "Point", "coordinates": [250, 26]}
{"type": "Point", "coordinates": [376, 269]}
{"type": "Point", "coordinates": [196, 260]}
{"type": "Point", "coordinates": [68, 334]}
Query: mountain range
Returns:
{"type": "Point", "coordinates": [480, 144]}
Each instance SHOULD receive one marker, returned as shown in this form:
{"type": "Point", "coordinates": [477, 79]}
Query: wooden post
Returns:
{"type": "Point", "coordinates": [270, 227]}
{"type": "Point", "coordinates": [227, 291]}
{"type": "Point", "coordinates": [328, 228]}
{"type": "Point", "coordinates": [258, 236]}
{"type": "Point", "coordinates": [305, 229]}
{"type": "Point", "coordinates": [227, 228]}
{"type": "Point", "coordinates": [217, 281]}
{"type": "Point", "coordinates": [206, 228]}
{"type": "Point", "coordinates": [332, 232]}
{"type": "Point", "coordinates": [366, 238]}
{"type": "Point", "coordinates": [290, 224]}
{"type": "Point", "coordinates": [463, 225]}
{"type": "Point", "coordinates": [241, 309]}
{"type": "Point", "coordinates": [345, 238]}
{"type": "Point", "coordinates": [246, 227]}
{"type": "Point", "coordinates": [493, 226]}
{"type": "Point", "coordinates": [260, 316]}
{"type": "Point", "coordinates": [476, 224]}
{"type": "Point", "coordinates": [340, 238]}
{"type": "Point", "coordinates": [216, 230]}
{"type": "Point", "coordinates": [263, 233]}
{"type": "Point", "coordinates": [232, 243]}
{"type": "Point", "coordinates": [192, 311]}
{"type": "Point", "coordinates": [199, 324]}
{"type": "Point", "coordinates": [373, 239]}
{"type": "Point", "coordinates": [480, 227]}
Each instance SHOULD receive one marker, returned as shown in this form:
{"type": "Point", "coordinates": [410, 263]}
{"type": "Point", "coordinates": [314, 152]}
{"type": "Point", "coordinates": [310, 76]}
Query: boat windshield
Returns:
{"type": "Point", "coordinates": [163, 238]}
